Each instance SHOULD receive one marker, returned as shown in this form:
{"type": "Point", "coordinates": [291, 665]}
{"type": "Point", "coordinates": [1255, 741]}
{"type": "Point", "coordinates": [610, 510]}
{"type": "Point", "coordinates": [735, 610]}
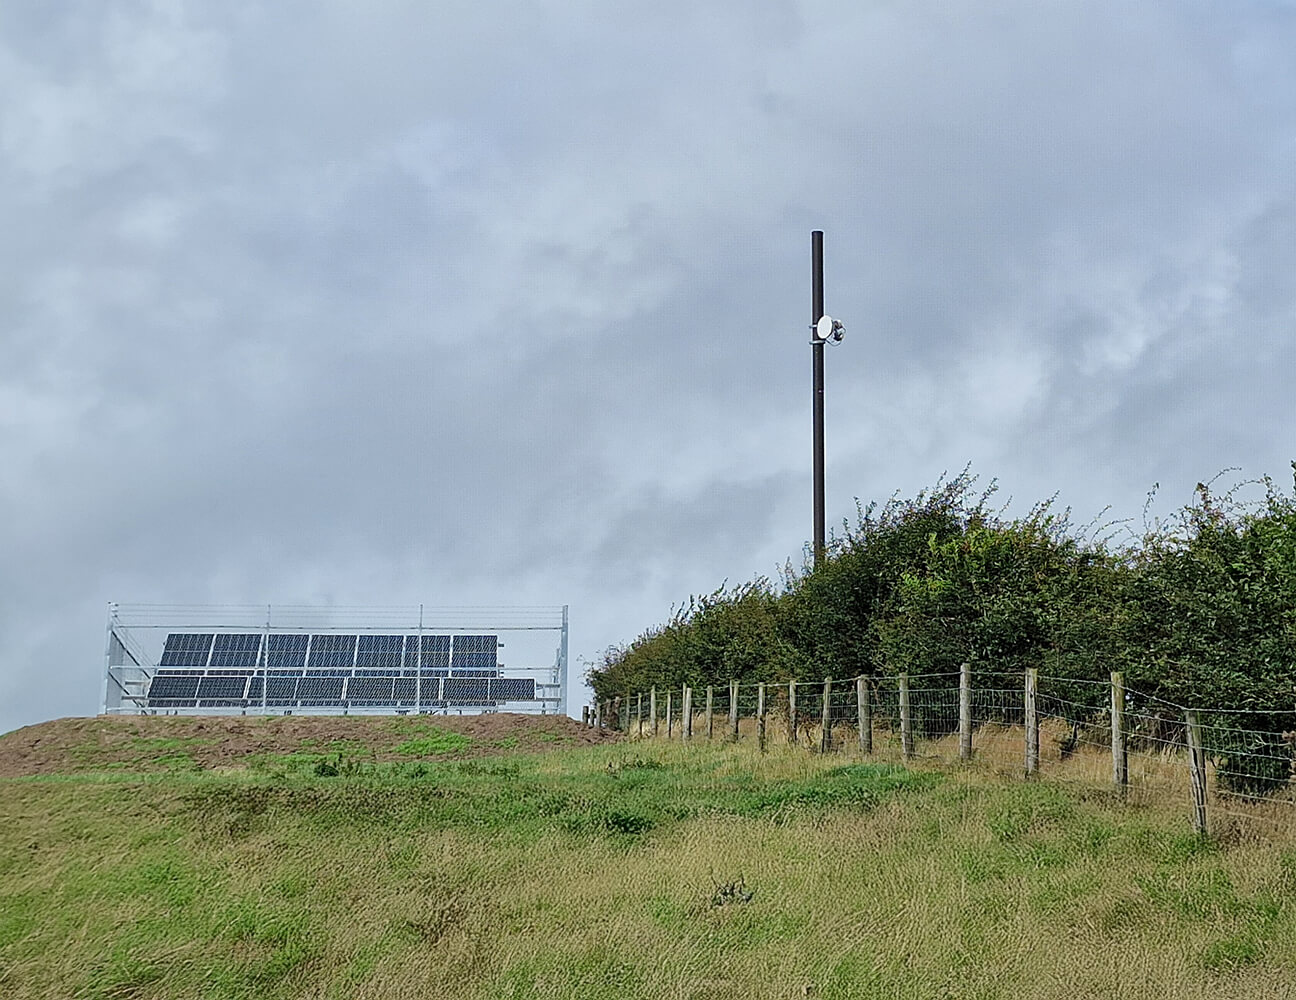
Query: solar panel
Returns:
{"type": "Point", "coordinates": [172, 686]}
{"type": "Point", "coordinates": [319, 689]}
{"type": "Point", "coordinates": [236, 650]}
{"type": "Point", "coordinates": [475, 651]}
{"type": "Point", "coordinates": [280, 694]}
{"type": "Point", "coordinates": [512, 689]}
{"type": "Point", "coordinates": [332, 650]}
{"type": "Point", "coordinates": [186, 649]}
{"type": "Point", "coordinates": [370, 688]}
{"type": "Point", "coordinates": [430, 687]}
{"type": "Point", "coordinates": [468, 690]}
{"type": "Point", "coordinates": [406, 689]}
{"type": "Point", "coordinates": [288, 650]}
{"type": "Point", "coordinates": [222, 687]}
{"type": "Point", "coordinates": [475, 644]}
{"type": "Point", "coordinates": [436, 651]}
{"type": "Point", "coordinates": [379, 651]}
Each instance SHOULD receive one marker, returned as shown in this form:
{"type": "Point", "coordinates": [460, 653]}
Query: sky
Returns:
{"type": "Point", "coordinates": [463, 303]}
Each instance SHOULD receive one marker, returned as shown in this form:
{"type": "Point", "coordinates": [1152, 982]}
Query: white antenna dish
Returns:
{"type": "Point", "coordinates": [829, 329]}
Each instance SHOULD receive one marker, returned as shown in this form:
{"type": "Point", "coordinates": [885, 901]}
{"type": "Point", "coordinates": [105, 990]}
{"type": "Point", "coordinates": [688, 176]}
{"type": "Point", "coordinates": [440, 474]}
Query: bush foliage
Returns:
{"type": "Point", "coordinates": [1200, 610]}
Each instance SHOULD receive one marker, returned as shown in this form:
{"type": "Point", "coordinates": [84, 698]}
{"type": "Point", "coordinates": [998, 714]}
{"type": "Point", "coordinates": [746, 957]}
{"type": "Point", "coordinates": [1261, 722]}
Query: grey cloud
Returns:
{"type": "Point", "coordinates": [473, 303]}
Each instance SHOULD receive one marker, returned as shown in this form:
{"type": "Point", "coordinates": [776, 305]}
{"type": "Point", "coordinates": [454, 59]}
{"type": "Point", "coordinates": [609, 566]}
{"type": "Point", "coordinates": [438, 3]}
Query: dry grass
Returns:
{"type": "Point", "coordinates": [1157, 778]}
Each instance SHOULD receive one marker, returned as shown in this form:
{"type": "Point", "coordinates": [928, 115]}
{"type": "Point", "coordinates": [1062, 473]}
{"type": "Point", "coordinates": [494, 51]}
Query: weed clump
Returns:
{"type": "Point", "coordinates": [731, 893]}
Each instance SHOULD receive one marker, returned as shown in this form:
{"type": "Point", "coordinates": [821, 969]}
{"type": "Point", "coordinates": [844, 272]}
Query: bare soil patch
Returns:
{"type": "Point", "coordinates": [153, 742]}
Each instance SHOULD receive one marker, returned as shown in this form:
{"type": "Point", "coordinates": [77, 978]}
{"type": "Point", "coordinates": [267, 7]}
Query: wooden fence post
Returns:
{"type": "Point", "coordinates": [585, 716]}
{"type": "Point", "coordinates": [1120, 757]}
{"type": "Point", "coordinates": [639, 713]}
{"type": "Point", "coordinates": [1197, 771]}
{"type": "Point", "coordinates": [864, 709]}
{"type": "Point", "coordinates": [965, 711]}
{"type": "Point", "coordinates": [652, 708]}
{"type": "Point", "coordinates": [792, 718]}
{"type": "Point", "coordinates": [688, 713]}
{"type": "Point", "coordinates": [616, 718]}
{"type": "Point", "coordinates": [825, 719]}
{"type": "Point", "coordinates": [598, 714]}
{"type": "Point", "coordinates": [760, 716]}
{"type": "Point", "coordinates": [906, 719]}
{"type": "Point", "coordinates": [710, 721]}
{"type": "Point", "coordinates": [1032, 723]}
{"type": "Point", "coordinates": [733, 711]}
{"type": "Point", "coordinates": [670, 716]}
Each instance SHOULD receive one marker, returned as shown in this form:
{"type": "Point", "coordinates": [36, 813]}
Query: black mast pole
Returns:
{"type": "Point", "coordinates": [817, 349]}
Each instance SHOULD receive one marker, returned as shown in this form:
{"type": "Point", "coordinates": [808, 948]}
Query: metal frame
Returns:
{"type": "Point", "coordinates": [136, 634]}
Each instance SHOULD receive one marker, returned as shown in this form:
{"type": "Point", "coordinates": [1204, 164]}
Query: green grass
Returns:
{"type": "Point", "coordinates": [630, 871]}
{"type": "Point", "coordinates": [433, 742]}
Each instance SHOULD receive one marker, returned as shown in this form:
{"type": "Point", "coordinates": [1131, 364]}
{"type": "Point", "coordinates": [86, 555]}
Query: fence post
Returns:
{"type": "Point", "coordinates": [615, 718]}
{"type": "Point", "coordinates": [825, 720]}
{"type": "Point", "coordinates": [1120, 758]}
{"type": "Point", "coordinates": [710, 721]}
{"type": "Point", "coordinates": [688, 713]}
{"type": "Point", "coordinates": [760, 716]}
{"type": "Point", "coordinates": [1197, 770]}
{"type": "Point", "coordinates": [1032, 723]}
{"type": "Point", "coordinates": [733, 711]}
{"type": "Point", "coordinates": [670, 715]}
{"type": "Point", "coordinates": [865, 710]}
{"type": "Point", "coordinates": [598, 714]}
{"type": "Point", "coordinates": [792, 719]}
{"type": "Point", "coordinates": [652, 708]}
{"type": "Point", "coordinates": [585, 716]}
{"type": "Point", "coordinates": [965, 711]}
{"type": "Point", "coordinates": [906, 719]}
{"type": "Point", "coordinates": [639, 713]}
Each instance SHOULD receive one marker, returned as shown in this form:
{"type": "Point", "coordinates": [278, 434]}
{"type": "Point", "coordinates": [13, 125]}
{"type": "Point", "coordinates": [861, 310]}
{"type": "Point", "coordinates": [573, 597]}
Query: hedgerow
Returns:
{"type": "Point", "coordinates": [1198, 610]}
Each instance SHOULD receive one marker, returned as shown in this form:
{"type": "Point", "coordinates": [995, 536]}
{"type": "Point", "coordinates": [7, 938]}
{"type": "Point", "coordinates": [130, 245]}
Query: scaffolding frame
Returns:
{"type": "Point", "coordinates": [136, 635]}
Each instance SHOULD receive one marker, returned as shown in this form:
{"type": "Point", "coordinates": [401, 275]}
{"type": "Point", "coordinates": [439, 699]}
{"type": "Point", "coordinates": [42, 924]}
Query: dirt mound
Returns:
{"type": "Point", "coordinates": [152, 742]}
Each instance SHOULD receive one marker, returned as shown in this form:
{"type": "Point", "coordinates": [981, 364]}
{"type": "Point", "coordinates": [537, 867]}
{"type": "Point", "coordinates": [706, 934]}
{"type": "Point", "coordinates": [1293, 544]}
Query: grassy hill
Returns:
{"type": "Point", "coordinates": [431, 862]}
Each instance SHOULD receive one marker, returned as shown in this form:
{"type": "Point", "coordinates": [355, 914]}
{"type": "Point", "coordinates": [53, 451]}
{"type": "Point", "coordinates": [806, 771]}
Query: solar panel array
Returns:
{"type": "Point", "coordinates": [328, 670]}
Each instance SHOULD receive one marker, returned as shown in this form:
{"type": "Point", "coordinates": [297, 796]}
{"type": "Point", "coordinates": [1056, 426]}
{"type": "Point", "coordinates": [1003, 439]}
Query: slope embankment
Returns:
{"type": "Point", "coordinates": [146, 743]}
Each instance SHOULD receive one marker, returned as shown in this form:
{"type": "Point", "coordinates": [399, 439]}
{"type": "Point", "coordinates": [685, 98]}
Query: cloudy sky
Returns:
{"type": "Point", "coordinates": [479, 302]}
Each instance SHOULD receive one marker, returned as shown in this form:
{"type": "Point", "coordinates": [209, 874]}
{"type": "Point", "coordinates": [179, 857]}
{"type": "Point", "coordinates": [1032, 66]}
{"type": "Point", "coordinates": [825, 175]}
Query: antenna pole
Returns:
{"type": "Point", "coordinates": [817, 350]}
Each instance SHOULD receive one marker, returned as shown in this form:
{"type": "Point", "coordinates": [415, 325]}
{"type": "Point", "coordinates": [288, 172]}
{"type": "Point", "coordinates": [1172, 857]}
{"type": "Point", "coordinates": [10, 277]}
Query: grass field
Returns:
{"type": "Point", "coordinates": [630, 870]}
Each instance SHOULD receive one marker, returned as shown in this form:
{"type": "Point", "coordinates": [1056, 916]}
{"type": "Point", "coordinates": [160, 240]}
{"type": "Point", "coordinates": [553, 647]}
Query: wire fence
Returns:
{"type": "Point", "coordinates": [1230, 770]}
